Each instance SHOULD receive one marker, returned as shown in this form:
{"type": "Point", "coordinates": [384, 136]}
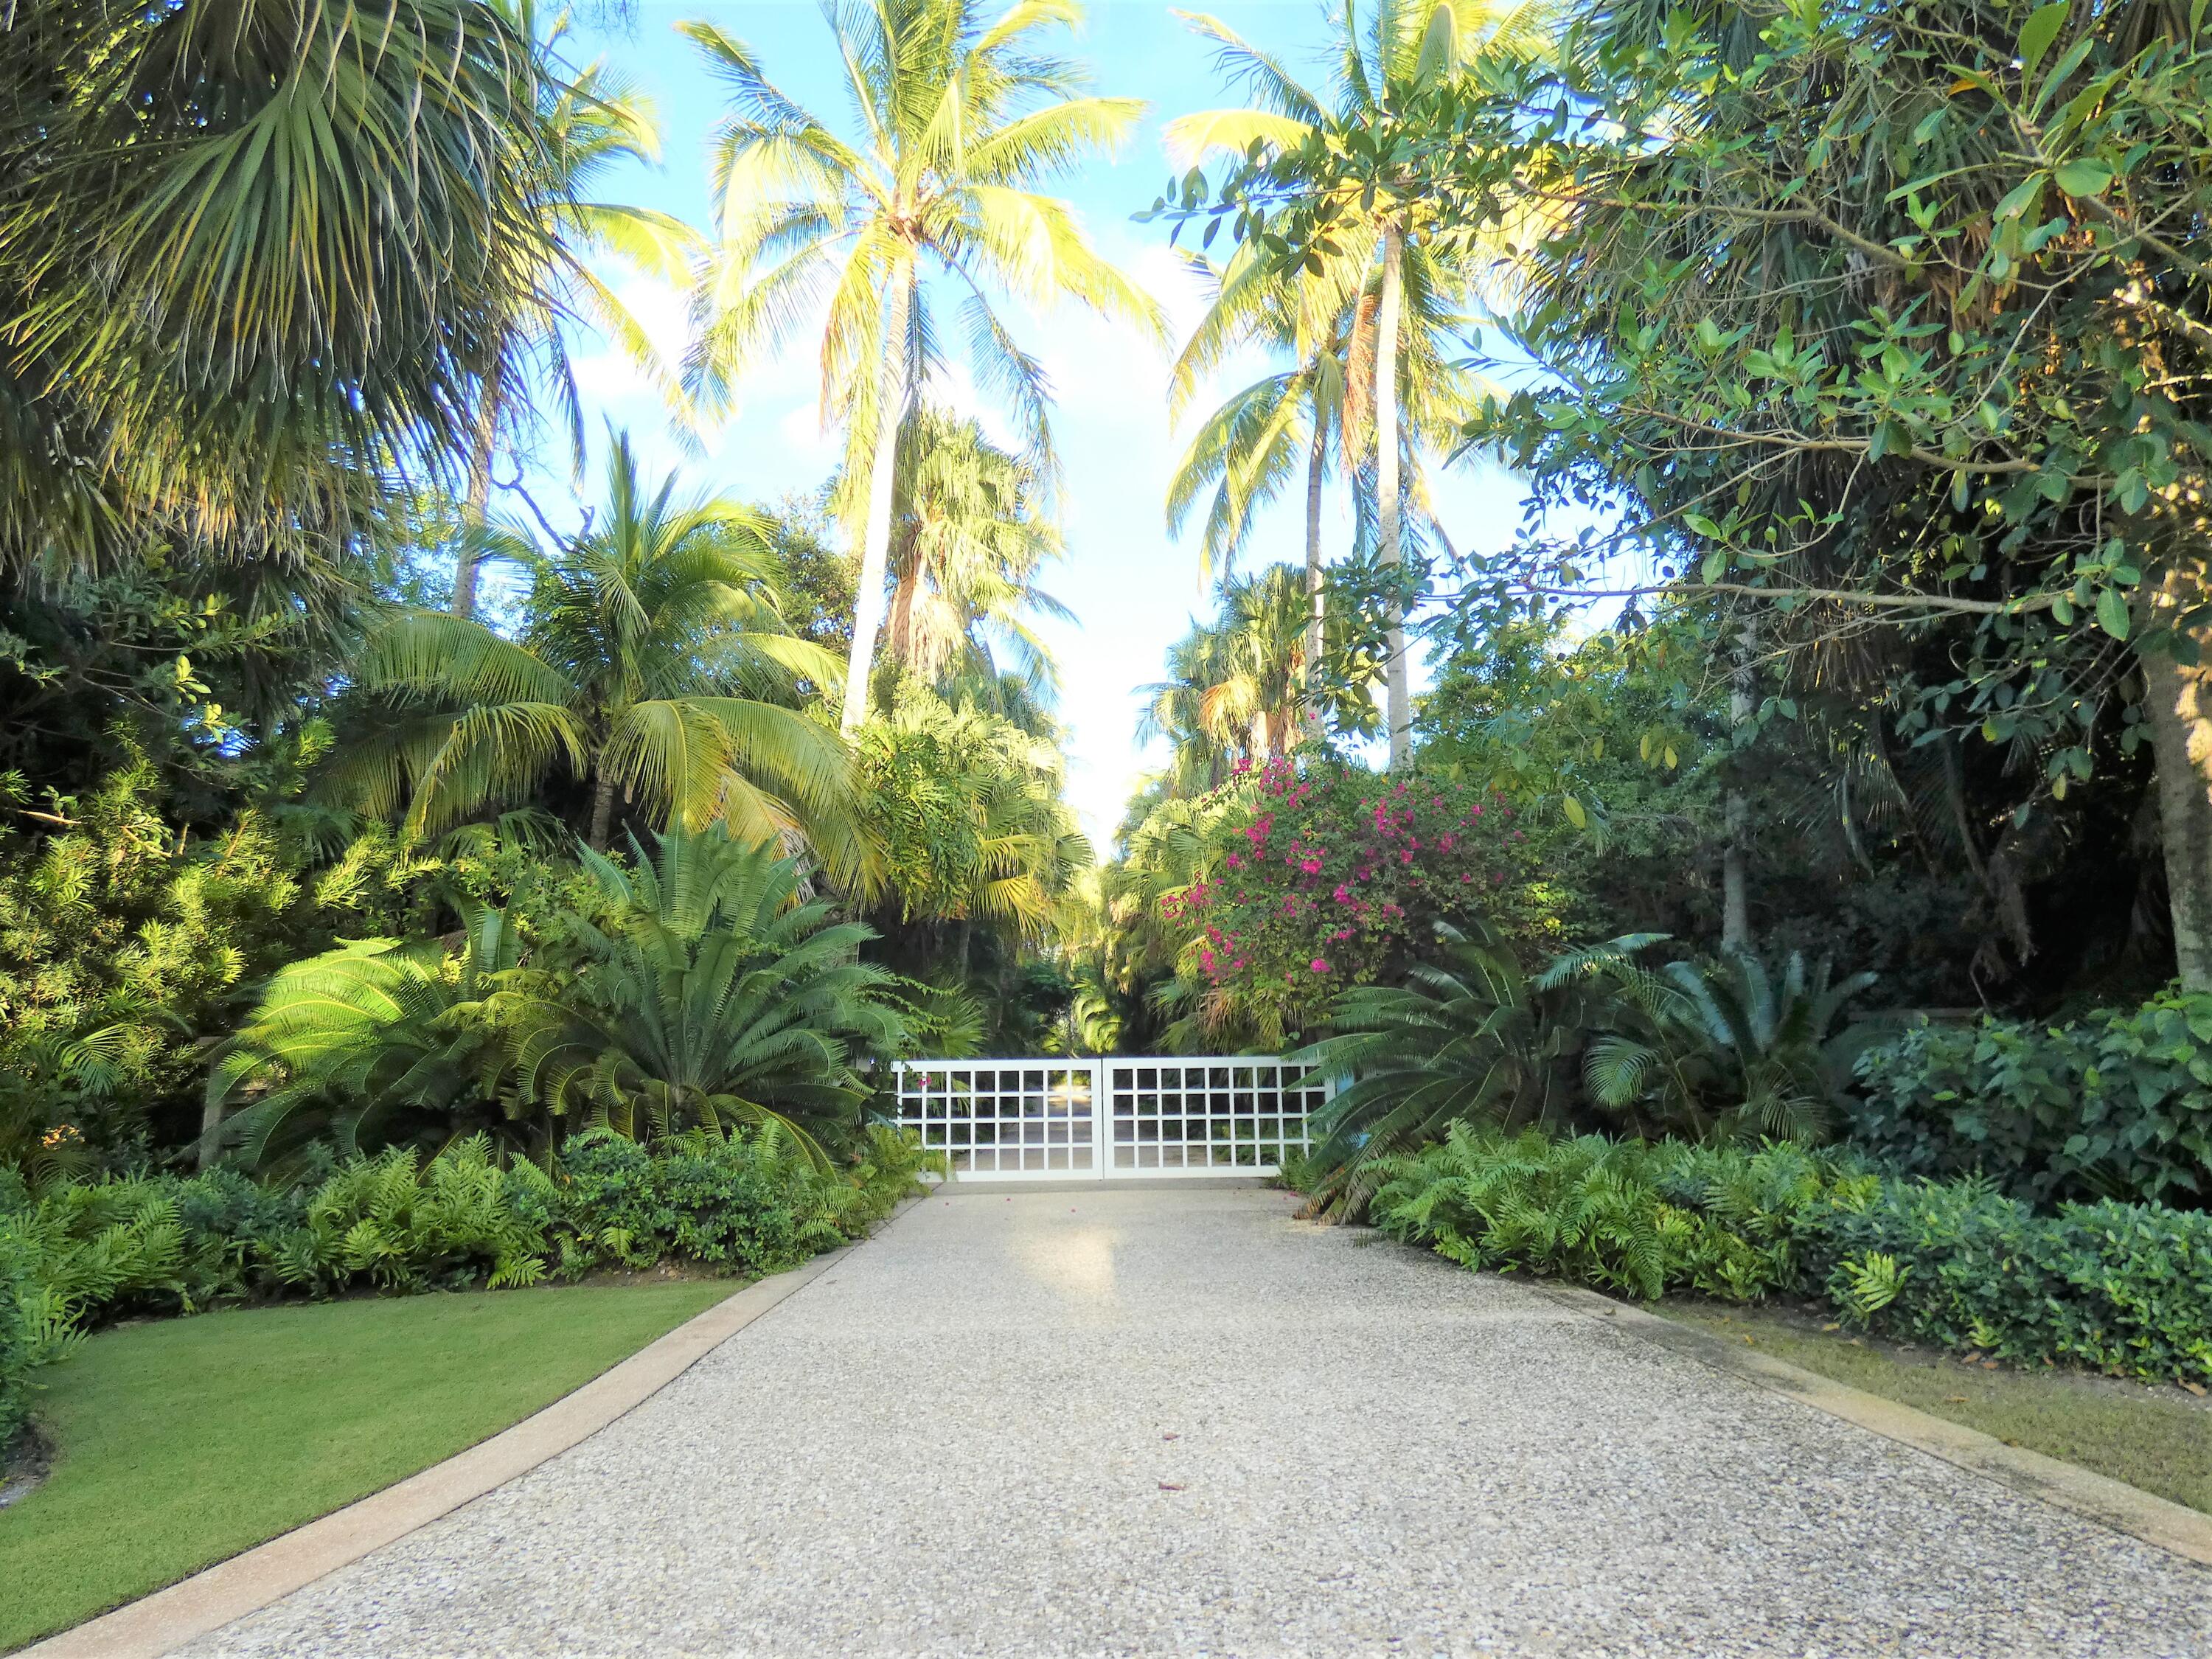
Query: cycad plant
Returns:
{"type": "Point", "coordinates": [1725, 1050]}
{"type": "Point", "coordinates": [651, 664]}
{"type": "Point", "coordinates": [1466, 1040]}
{"type": "Point", "coordinates": [712, 995]}
{"type": "Point", "coordinates": [374, 1041]}
{"type": "Point", "coordinates": [962, 117]}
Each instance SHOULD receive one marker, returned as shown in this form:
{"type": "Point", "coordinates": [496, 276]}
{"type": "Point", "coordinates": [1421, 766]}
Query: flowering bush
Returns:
{"type": "Point", "coordinates": [1337, 876]}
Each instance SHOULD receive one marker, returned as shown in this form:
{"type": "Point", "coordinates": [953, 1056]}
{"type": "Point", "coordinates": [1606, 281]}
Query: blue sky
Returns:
{"type": "Point", "coordinates": [1133, 588]}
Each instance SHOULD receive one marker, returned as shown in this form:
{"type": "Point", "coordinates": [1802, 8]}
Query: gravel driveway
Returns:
{"type": "Point", "coordinates": [1176, 1421]}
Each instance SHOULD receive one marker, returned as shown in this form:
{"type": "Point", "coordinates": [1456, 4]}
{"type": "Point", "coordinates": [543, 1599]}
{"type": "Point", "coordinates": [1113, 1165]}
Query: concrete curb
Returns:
{"type": "Point", "coordinates": [2113, 1504]}
{"type": "Point", "coordinates": [167, 1619]}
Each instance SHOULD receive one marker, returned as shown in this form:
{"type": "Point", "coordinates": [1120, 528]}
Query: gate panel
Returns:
{"type": "Point", "coordinates": [1216, 1115]}
{"type": "Point", "coordinates": [995, 1119]}
{"type": "Point", "coordinates": [1058, 1119]}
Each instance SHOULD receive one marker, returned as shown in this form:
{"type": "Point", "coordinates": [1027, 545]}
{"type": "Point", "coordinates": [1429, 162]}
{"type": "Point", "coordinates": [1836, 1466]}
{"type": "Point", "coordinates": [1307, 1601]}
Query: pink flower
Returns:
{"type": "Point", "coordinates": [1341, 933]}
{"type": "Point", "coordinates": [1235, 860]}
{"type": "Point", "coordinates": [1319, 966]}
{"type": "Point", "coordinates": [1311, 866]}
{"type": "Point", "coordinates": [1406, 857]}
{"type": "Point", "coordinates": [1343, 894]}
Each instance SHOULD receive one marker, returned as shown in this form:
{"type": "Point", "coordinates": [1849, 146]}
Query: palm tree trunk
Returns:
{"type": "Point", "coordinates": [477, 507]}
{"type": "Point", "coordinates": [893, 387]}
{"type": "Point", "coordinates": [2178, 697]}
{"type": "Point", "coordinates": [602, 809]}
{"type": "Point", "coordinates": [1316, 470]}
{"type": "Point", "coordinates": [1397, 682]}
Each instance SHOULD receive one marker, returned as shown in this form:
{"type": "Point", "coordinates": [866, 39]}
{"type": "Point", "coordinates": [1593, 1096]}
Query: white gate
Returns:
{"type": "Point", "coordinates": [1087, 1120]}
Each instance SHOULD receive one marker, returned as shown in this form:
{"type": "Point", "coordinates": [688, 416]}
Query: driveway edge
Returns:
{"type": "Point", "coordinates": [165, 1619]}
{"type": "Point", "coordinates": [2172, 1527]}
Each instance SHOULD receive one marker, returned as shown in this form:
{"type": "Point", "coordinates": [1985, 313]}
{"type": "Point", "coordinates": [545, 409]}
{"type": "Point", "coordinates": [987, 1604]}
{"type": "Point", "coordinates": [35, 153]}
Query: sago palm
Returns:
{"type": "Point", "coordinates": [1384, 62]}
{"type": "Point", "coordinates": [359, 1044]}
{"type": "Point", "coordinates": [652, 665]}
{"type": "Point", "coordinates": [711, 997]}
{"type": "Point", "coordinates": [960, 117]}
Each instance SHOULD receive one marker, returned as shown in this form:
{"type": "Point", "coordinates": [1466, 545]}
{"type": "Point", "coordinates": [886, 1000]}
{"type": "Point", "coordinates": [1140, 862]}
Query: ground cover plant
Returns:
{"type": "Point", "coordinates": [179, 1443]}
{"type": "Point", "coordinates": [2120, 1288]}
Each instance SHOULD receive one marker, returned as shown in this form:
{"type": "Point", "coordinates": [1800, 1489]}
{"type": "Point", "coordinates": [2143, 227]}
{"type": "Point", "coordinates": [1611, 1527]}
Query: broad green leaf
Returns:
{"type": "Point", "coordinates": [2083, 176]}
{"type": "Point", "coordinates": [2036, 34]}
{"type": "Point", "coordinates": [2112, 612]}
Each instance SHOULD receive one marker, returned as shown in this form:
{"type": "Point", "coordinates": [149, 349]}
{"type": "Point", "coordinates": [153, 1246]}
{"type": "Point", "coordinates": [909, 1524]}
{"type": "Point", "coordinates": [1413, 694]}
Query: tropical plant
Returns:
{"type": "Point", "coordinates": [967, 813]}
{"type": "Point", "coordinates": [222, 327]}
{"type": "Point", "coordinates": [1726, 1050]}
{"type": "Point", "coordinates": [1236, 685]}
{"type": "Point", "coordinates": [712, 995]}
{"type": "Point", "coordinates": [963, 119]}
{"type": "Point", "coordinates": [969, 538]}
{"type": "Point", "coordinates": [376, 1041]}
{"type": "Point", "coordinates": [651, 664]}
{"type": "Point", "coordinates": [590, 121]}
{"type": "Point", "coordinates": [1386, 65]}
{"type": "Point", "coordinates": [1464, 1040]}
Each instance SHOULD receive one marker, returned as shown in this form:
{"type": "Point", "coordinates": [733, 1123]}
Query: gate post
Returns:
{"type": "Point", "coordinates": [1102, 1119]}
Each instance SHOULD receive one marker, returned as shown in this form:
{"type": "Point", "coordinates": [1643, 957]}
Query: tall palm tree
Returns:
{"type": "Point", "coordinates": [962, 118]}
{"type": "Point", "coordinates": [968, 537]}
{"type": "Point", "coordinates": [1235, 687]}
{"type": "Point", "coordinates": [652, 663]}
{"type": "Point", "coordinates": [591, 121]}
{"type": "Point", "coordinates": [1400, 51]}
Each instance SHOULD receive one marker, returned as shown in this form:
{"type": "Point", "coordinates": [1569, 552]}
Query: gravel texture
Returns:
{"type": "Point", "coordinates": [1176, 1421]}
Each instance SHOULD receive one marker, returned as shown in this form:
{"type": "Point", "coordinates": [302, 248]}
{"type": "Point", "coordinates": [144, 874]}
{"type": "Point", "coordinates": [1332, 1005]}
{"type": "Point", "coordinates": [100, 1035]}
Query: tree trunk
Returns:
{"type": "Point", "coordinates": [1736, 849]}
{"type": "Point", "coordinates": [1396, 674]}
{"type": "Point", "coordinates": [2178, 697]}
{"type": "Point", "coordinates": [1316, 472]}
{"type": "Point", "coordinates": [602, 809]}
{"type": "Point", "coordinates": [477, 509]}
{"type": "Point", "coordinates": [895, 386]}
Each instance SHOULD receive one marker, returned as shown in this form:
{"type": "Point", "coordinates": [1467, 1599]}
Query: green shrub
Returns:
{"type": "Point", "coordinates": [2125, 1288]}
{"type": "Point", "coordinates": [2115, 1105]}
{"type": "Point", "coordinates": [79, 1252]}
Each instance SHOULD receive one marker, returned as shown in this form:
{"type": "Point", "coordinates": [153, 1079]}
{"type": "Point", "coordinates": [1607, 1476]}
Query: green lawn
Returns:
{"type": "Point", "coordinates": [2157, 1438]}
{"type": "Point", "coordinates": [185, 1441]}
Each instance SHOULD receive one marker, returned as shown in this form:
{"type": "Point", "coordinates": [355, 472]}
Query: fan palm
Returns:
{"type": "Point", "coordinates": [1403, 48]}
{"type": "Point", "coordinates": [962, 118]}
{"type": "Point", "coordinates": [652, 663]}
{"type": "Point", "coordinates": [712, 996]}
{"type": "Point", "coordinates": [345, 1046]}
{"type": "Point", "coordinates": [590, 121]}
{"type": "Point", "coordinates": [252, 258]}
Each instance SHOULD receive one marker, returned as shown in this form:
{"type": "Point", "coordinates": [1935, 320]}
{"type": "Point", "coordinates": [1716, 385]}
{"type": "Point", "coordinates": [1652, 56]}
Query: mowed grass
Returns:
{"type": "Point", "coordinates": [2158, 1439]}
{"type": "Point", "coordinates": [183, 1441]}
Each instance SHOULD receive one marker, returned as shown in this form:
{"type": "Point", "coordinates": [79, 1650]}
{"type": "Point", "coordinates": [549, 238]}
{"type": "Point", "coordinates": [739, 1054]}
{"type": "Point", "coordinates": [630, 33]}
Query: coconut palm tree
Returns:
{"type": "Point", "coordinates": [591, 121]}
{"type": "Point", "coordinates": [962, 117]}
{"type": "Point", "coordinates": [1236, 686]}
{"type": "Point", "coordinates": [1384, 62]}
{"type": "Point", "coordinates": [968, 537]}
{"type": "Point", "coordinates": [651, 664]}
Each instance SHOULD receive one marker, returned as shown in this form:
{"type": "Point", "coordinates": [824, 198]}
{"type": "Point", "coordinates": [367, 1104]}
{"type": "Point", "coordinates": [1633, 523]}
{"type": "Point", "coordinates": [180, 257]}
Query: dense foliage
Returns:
{"type": "Point", "coordinates": [73, 1254]}
{"type": "Point", "coordinates": [2125, 1288]}
{"type": "Point", "coordinates": [2116, 1104]}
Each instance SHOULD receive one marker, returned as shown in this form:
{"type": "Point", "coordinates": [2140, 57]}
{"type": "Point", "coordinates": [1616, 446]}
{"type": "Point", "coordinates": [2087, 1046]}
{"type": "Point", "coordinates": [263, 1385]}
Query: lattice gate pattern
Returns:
{"type": "Point", "coordinates": [1086, 1120]}
{"type": "Point", "coordinates": [1187, 1117]}
{"type": "Point", "coordinates": [1003, 1117]}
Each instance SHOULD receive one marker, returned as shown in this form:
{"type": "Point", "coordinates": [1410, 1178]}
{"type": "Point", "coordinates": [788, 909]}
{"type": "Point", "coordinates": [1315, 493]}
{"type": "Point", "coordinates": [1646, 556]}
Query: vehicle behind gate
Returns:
{"type": "Point", "coordinates": [1088, 1119]}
